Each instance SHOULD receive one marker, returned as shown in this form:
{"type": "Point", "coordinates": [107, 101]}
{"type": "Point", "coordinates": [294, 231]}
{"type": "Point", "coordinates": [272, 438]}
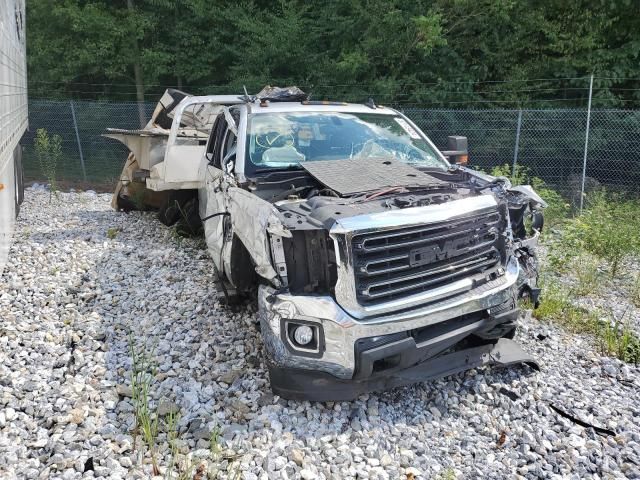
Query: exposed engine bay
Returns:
{"type": "Point", "coordinates": [310, 207]}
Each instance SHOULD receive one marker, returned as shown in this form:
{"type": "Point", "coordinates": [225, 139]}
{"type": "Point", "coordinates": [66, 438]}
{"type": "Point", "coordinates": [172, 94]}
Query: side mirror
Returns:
{"type": "Point", "coordinates": [458, 152]}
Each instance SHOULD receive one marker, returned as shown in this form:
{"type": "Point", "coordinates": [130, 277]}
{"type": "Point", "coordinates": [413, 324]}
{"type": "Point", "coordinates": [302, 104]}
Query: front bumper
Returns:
{"type": "Point", "coordinates": [383, 351]}
{"type": "Point", "coordinates": [299, 384]}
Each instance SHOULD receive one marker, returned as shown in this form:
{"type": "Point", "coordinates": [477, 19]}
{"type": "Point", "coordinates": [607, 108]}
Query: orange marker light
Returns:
{"type": "Point", "coordinates": [463, 159]}
{"type": "Point", "coordinates": [1, 186]}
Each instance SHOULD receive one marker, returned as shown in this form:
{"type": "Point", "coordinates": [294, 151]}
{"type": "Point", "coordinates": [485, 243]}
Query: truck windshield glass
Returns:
{"type": "Point", "coordinates": [280, 140]}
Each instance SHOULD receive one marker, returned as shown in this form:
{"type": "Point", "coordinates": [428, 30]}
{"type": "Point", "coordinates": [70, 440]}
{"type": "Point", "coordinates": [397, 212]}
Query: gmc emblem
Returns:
{"type": "Point", "coordinates": [437, 252]}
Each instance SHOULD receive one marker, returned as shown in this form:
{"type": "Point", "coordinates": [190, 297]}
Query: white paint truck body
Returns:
{"type": "Point", "coordinates": [13, 115]}
{"type": "Point", "coordinates": [376, 261]}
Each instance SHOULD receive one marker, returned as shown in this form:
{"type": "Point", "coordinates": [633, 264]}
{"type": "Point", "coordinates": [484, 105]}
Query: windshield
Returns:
{"type": "Point", "coordinates": [279, 140]}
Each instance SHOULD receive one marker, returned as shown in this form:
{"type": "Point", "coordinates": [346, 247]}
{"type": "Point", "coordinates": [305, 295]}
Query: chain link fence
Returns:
{"type": "Point", "coordinates": [550, 143]}
{"type": "Point", "coordinates": [88, 159]}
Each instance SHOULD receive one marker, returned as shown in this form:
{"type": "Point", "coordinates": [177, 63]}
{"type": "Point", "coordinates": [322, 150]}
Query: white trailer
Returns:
{"type": "Point", "coordinates": [13, 116]}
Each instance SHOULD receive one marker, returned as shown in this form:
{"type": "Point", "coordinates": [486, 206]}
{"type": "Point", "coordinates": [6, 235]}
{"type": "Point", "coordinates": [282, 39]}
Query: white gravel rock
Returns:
{"type": "Point", "coordinates": [71, 296]}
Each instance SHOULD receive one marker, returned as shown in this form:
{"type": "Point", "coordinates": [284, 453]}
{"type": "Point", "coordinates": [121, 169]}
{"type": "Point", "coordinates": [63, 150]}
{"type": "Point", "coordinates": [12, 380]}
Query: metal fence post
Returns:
{"type": "Point", "coordinates": [586, 144]}
{"type": "Point", "coordinates": [515, 149]}
{"type": "Point", "coordinates": [75, 126]}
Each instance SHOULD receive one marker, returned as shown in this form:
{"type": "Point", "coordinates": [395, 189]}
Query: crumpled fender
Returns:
{"type": "Point", "coordinates": [252, 220]}
{"type": "Point", "coordinates": [528, 192]}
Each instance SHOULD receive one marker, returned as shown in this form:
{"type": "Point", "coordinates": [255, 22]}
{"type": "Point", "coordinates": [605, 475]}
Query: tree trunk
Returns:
{"type": "Point", "coordinates": [137, 73]}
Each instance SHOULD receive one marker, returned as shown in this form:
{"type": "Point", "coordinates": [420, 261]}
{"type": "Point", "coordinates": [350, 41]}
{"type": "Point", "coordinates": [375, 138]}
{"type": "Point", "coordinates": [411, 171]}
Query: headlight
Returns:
{"type": "Point", "coordinates": [303, 335]}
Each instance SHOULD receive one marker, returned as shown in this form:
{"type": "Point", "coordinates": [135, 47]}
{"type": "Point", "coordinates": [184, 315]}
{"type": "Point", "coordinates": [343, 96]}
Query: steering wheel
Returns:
{"type": "Point", "coordinates": [274, 140]}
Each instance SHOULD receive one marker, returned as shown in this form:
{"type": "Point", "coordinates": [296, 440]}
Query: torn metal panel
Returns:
{"type": "Point", "coordinates": [212, 212]}
{"type": "Point", "coordinates": [528, 192]}
{"type": "Point", "coordinates": [147, 147]}
{"type": "Point", "coordinates": [127, 188]}
{"type": "Point", "coordinates": [162, 115]}
{"type": "Point", "coordinates": [230, 121]}
{"type": "Point", "coordinates": [252, 218]}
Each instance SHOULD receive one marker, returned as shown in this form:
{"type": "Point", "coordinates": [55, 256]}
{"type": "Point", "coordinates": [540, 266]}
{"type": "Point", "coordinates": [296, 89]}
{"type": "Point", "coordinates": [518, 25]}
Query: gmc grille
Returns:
{"type": "Point", "coordinates": [405, 261]}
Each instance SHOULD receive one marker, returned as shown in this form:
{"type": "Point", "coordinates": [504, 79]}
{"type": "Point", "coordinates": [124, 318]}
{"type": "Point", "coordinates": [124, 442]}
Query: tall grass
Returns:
{"type": "Point", "coordinates": [617, 339]}
{"type": "Point", "coordinates": [587, 274]}
{"type": "Point", "coordinates": [49, 153]}
{"type": "Point", "coordinates": [614, 336]}
{"type": "Point", "coordinates": [608, 228]}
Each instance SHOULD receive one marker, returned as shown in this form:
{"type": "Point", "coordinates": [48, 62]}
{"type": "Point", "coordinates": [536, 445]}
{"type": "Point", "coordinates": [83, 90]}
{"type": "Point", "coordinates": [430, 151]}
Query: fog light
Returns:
{"type": "Point", "coordinates": [303, 335]}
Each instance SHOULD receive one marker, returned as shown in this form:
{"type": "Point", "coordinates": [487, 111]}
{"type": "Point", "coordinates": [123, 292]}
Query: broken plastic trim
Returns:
{"type": "Point", "coordinates": [314, 385]}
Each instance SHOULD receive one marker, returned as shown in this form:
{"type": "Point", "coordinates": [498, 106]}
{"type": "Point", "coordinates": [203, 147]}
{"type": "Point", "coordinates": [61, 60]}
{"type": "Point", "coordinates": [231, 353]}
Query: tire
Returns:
{"type": "Point", "coordinates": [189, 223]}
{"type": "Point", "coordinates": [18, 174]}
{"type": "Point", "coordinates": [171, 211]}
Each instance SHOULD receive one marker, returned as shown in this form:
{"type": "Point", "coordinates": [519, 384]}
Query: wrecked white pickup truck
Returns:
{"type": "Point", "coordinates": [377, 262]}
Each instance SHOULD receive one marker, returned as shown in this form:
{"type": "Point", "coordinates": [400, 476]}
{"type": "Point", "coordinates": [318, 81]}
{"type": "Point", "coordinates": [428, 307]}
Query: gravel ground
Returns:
{"type": "Point", "coordinates": [81, 277]}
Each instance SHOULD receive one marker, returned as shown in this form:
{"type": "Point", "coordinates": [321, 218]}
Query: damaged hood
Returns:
{"type": "Point", "coordinates": [357, 175]}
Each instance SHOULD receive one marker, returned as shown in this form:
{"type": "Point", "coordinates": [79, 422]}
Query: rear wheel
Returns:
{"type": "Point", "coordinates": [19, 178]}
{"type": "Point", "coordinates": [173, 208]}
{"type": "Point", "coordinates": [189, 223]}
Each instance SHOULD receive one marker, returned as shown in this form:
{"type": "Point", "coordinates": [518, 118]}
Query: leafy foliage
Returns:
{"type": "Point", "coordinates": [395, 50]}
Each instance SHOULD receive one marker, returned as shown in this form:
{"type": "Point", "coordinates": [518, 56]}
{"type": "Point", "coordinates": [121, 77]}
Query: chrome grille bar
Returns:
{"type": "Point", "coordinates": [410, 260]}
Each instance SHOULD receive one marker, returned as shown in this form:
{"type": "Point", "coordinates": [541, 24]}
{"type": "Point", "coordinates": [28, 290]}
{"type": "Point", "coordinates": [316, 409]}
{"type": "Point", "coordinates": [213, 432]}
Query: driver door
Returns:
{"type": "Point", "coordinates": [219, 162]}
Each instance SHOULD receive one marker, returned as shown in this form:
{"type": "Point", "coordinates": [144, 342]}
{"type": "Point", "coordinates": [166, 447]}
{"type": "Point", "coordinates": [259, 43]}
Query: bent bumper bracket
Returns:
{"type": "Point", "coordinates": [298, 384]}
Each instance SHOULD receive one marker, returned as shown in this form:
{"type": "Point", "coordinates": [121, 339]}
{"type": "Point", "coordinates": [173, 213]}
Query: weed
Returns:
{"type": "Point", "coordinates": [556, 307]}
{"type": "Point", "coordinates": [447, 474]}
{"type": "Point", "coordinates": [171, 427]}
{"type": "Point", "coordinates": [634, 296]}
{"type": "Point", "coordinates": [614, 337]}
{"type": "Point", "coordinates": [214, 442]}
{"type": "Point", "coordinates": [49, 152]}
{"type": "Point", "coordinates": [176, 235]}
{"type": "Point", "coordinates": [585, 268]}
{"type": "Point", "coordinates": [617, 339]}
{"type": "Point", "coordinates": [187, 226]}
{"type": "Point", "coordinates": [112, 233]}
{"type": "Point", "coordinates": [609, 228]}
{"type": "Point", "coordinates": [138, 197]}
{"type": "Point", "coordinates": [143, 370]}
